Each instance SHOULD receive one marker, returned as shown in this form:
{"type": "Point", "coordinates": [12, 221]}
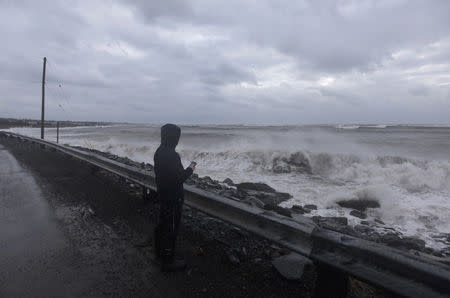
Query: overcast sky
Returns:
{"type": "Point", "coordinates": [215, 61]}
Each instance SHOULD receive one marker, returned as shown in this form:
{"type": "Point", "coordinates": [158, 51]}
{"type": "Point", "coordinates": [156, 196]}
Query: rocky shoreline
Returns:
{"type": "Point", "coordinates": [263, 196]}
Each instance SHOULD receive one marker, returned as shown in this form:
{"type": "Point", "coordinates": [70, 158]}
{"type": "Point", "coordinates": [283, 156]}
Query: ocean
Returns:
{"type": "Point", "coordinates": [406, 168]}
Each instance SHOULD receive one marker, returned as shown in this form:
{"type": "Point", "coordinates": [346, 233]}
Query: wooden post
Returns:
{"type": "Point", "coordinates": [57, 132]}
{"type": "Point", "coordinates": [43, 99]}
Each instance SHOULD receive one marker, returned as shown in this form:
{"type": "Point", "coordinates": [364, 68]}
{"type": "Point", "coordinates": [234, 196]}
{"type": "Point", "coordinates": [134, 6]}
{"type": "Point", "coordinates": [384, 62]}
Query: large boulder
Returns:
{"type": "Point", "coordinates": [278, 209]}
{"type": "Point", "coordinates": [338, 224]}
{"type": "Point", "coordinates": [303, 209]}
{"type": "Point", "coordinates": [272, 198]}
{"type": "Point", "coordinates": [246, 186]}
{"type": "Point", "coordinates": [367, 233]}
{"type": "Point", "coordinates": [331, 220]}
{"type": "Point", "coordinates": [292, 266]}
{"type": "Point", "coordinates": [262, 192]}
{"type": "Point", "coordinates": [407, 243]}
{"type": "Point", "coordinates": [310, 207]}
{"type": "Point", "coordinates": [360, 205]}
{"type": "Point", "coordinates": [299, 209]}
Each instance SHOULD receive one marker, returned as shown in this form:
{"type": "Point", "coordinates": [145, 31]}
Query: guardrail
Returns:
{"type": "Point", "coordinates": [394, 270]}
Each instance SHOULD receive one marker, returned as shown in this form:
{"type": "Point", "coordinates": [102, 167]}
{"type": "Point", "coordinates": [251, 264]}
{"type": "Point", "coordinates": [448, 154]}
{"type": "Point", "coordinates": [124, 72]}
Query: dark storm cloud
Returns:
{"type": "Point", "coordinates": [204, 61]}
{"type": "Point", "coordinates": [328, 35]}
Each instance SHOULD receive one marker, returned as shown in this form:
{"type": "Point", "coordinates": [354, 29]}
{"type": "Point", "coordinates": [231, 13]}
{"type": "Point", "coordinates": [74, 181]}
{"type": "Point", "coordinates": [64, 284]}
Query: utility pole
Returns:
{"type": "Point", "coordinates": [43, 99]}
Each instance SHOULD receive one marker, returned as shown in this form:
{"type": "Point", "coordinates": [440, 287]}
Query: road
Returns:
{"type": "Point", "coordinates": [36, 258]}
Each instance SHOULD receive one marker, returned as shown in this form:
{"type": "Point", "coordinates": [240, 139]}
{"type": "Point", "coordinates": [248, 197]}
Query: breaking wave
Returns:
{"type": "Point", "coordinates": [412, 175]}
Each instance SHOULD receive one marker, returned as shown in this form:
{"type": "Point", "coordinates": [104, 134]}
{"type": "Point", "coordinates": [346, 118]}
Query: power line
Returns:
{"type": "Point", "coordinates": [60, 88]}
{"type": "Point", "coordinates": [59, 93]}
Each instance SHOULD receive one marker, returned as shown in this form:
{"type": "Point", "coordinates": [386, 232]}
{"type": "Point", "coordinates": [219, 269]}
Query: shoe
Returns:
{"type": "Point", "coordinates": [173, 266]}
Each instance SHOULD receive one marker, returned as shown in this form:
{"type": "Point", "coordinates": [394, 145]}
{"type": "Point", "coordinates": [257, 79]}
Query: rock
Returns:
{"type": "Point", "coordinates": [278, 209]}
{"type": "Point", "coordinates": [207, 179]}
{"type": "Point", "coordinates": [343, 221]}
{"type": "Point", "coordinates": [255, 187]}
{"type": "Point", "coordinates": [358, 214]}
{"type": "Point", "coordinates": [379, 221]}
{"type": "Point", "coordinates": [360, 205]}
{"type": "Point", "coordinates": [310, 207]}
{"type": "Point", "coordinates": [413, 243]}
{"type": "Point", "coordinates": [408, 243]}
{"type": "Point", "coordinates": [299, 209]}
{"type": "Point", "coordinates": [390, 238]}
{"type": "Point", "coordinates": [228, 181]}
{"type": "Point", "coordinates": [338, 224]}
{"type": "Point", "coordinates": [274, 198]}
{"type": "Point", "coordinates": [367, 233]}
{"type": "Point", "coordinates": [364, 222]}
{"type": "Point", "coordinates": [291, 266]}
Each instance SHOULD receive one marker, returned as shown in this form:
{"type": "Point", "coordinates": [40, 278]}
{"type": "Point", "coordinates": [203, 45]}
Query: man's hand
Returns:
{"type": "Point", "coordinates": [192, 165]}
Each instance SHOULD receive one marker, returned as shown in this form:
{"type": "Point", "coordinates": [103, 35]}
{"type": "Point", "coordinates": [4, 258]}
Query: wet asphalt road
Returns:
{"type": "Point", "coordinates": [36, 258]}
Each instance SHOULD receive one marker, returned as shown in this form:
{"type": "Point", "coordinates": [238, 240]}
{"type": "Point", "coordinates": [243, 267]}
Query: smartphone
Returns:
{"type": "Point", "coordinates": [193, 163]}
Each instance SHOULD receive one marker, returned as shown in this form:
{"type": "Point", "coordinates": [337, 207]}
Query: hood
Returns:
{"type": "Point", "coordinates": [170, 135]}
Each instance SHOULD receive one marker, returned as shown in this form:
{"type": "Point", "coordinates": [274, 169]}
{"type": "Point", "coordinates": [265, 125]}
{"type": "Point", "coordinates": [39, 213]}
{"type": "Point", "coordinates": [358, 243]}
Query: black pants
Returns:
{"type": "Point", "coordinates": [167, 230]}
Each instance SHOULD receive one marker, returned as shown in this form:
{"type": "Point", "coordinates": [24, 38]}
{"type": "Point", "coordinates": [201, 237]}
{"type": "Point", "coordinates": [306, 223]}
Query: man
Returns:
{"type": "Point", "coordinates": [170, 176]}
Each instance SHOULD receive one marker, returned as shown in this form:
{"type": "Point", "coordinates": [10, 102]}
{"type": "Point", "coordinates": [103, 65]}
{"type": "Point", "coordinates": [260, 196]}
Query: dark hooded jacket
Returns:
{"type": "Point", "coordinates": [170, 174]}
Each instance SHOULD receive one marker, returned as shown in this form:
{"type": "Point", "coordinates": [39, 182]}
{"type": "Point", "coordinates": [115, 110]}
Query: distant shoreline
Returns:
{"type": "Point", "coordinates": [11, 122]}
